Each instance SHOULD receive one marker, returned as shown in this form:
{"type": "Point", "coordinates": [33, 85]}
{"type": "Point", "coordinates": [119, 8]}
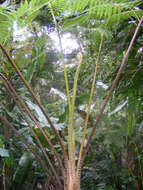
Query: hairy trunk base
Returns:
{"type": "Point", "coordinates": [72, 183]}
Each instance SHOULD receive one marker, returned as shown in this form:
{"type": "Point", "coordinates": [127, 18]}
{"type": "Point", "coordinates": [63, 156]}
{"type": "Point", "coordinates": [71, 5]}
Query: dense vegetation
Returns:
{"type": "Point", "coordinates": [71, 95]}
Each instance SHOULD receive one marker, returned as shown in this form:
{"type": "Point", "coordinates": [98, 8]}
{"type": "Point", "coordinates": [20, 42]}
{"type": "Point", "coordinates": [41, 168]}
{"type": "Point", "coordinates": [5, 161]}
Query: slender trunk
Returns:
{"type": "Point", "coordinates": [73, 183]}
{"type": "Point", "coordinates": [72, 180]}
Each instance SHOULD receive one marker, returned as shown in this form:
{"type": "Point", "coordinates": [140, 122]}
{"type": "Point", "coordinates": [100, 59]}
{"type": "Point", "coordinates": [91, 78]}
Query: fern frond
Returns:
{"type": "Point", "coordinates": [91, 5]}
{"type": "Point", "coordinates": [81, 5]}
{"type": "Point", "coordinates": [59, 6]}
{"type": "Point", "coordinates": [5, 23]}
{"type": "Point", "coordinates": [80, 20]}
{"type": "Point", "coordinates": [28, 10]}
{"type": "Point", "coordinates": [102, 32]}
{"type": "Point", "coordinates": [108, 12]}
{"type": "Point", "coordinates": [97, 8]}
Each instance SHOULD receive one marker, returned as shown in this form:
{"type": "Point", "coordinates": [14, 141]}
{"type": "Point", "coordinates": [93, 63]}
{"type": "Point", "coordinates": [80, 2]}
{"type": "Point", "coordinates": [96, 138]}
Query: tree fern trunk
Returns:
{"type": "Point", "coordinates": [72, 180]}
{"type": "Point", "coordinates": [73, 184]}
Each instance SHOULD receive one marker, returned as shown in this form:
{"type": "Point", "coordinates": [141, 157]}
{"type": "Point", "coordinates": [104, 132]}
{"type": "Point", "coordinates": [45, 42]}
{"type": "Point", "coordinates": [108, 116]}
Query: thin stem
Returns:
{"type": "Point", "coordinates": [110, 92]}
{"type": "Point", "coordinates": [3, 118]}
{"type": "Point", "coordinates": [35, 121]}
{"type": "Point", "coordinates": [89, 104]}
{"type": "Point", "coordinates": [133, 176]}
{"type": "Point", "coordinates": [34, 97]}
{"type": "Point", "coordinates": [64, 67]}
{"type": "Point", "coordinates": [32, 131]}
{"type": "Point", "coordinates": [71, 137]}
{"type": "Point", "coordinates": [62, 56]}
{"type": "Point", "coordinates": [139, 162]}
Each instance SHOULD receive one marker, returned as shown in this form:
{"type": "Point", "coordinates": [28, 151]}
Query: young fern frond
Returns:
{"type": "Point", "coordinates": [65, 74]}
{"type": "Point", "coordinates": [89, 105]}
{"type": "Point", "coordinates": [71, 134]}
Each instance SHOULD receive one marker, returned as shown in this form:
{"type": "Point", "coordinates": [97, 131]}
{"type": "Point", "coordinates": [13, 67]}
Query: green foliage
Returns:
{"type": "Point", "coordinates": [22, 170]}
{"type": "Point", "coordinates": [36, 67]}
{"type": "Point", "coordinates": [115, 158]}
{"type": "Point", "coordinates": [99, 17]}
{"type": "Point", "coordinates": [23, 15]}
{"type": "Point", "coordinates": [6, 23]}
{"type": "Point", "coordinates": [28, 11]}
{"type": "Point", "coordinates": [3, 152]}
{"type": "Point", "coordinates": [111, 11]}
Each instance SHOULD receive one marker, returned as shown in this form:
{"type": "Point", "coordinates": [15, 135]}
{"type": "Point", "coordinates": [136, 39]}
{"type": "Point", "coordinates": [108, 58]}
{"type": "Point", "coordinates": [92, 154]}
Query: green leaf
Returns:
{"type": "Point", "coordinates": [108, 187]}
{"type": "Point", "coordinates": [82, 99]}
{"type": "Point", "coordinates": [74, 21]}
{"type": "Point", "coordinates": [30, 71]}
{"type": "Point", "coordinates": [9, 161]}
{"type": "Point", "coordinates": [26, 159]}
{"type": "Point", "coordinates": [22, 170]}
{"type": "Point", "coordinates": [64, 116]}
{"type": "Point", "coordinates": [1, 143]}
{"type": "Point", "coordinates": [41, 136]}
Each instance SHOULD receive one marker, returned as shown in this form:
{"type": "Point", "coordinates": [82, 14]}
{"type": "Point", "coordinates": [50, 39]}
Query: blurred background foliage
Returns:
{"type": "Point", "coordinates": [115, 158]}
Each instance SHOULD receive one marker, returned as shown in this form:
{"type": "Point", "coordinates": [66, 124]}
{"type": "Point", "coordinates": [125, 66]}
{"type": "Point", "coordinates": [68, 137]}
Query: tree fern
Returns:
{"type": "Point", "coordinates": [96, 8]}
{"type": "Point", "coordinates": [84, 10]}
{"type": "Point", "coordinates": [29, 10]}
{"type": "Point", "coordinates": [107, 12]}
{"type": "Point", "coordinates": [5, 22]}
{"type": "Point", "coordinates": [24, 14]}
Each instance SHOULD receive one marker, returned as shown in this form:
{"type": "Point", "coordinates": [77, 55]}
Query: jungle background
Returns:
{"type": "Point", "coordinates": [27, 30]}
